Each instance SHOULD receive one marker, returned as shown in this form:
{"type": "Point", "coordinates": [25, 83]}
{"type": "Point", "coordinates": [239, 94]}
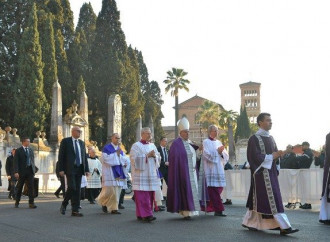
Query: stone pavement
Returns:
{"type": "Point", "coordinates": [47, 224]}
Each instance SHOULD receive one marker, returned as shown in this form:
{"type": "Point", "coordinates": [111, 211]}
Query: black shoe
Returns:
{"type": "Point", "coordinates": [288, 205]}
{"type": "Point", "coordinates": [121, 206]}
{"type": "Point", "coordinates": [62, 210]}
{"type": "Point", "coordinates": [104, 209]}
{"type": "Point", "coordinates": [149, 219]}
{"type": "Point", "coordinates": [228, 202]}
{"type": "Point", "coordinates": [288, 231]}
{"type": "Point", "coordinates": [221, 214]}
{"type": "Point", "coordinates": [57, 195]}
{"type": "Point", "coordinates": [306, 206]}
{"type": "Point", "coordinates": [91, 202]}
{"type": "Point", "coordinates": [139, 218]}
{"type": "Point", "coordinates": [32, 205]}
{"type": "Point", "coordinates": [187, 218]}
{"type": "Point", "coordinates": [115, 212]}
{"type": "Point", "coordinates": [79, 207]}
{"type": "Point", "coordinates": [9, 197]}
{"type": "Point", "coordinates": [249, 228]}
{"type": "Point", "coordinates": [76, 214]}
{"type": "Point", "coordinates": [327, 222]}
{"type": "Point", "coordinates": [16, 204]}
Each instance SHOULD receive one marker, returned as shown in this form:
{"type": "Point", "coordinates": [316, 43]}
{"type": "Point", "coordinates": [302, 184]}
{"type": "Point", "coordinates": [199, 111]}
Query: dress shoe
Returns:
{"type": "Point", "coordinates": [249, 228]}
{"type": "Point", "coordinates": [115, 212]}
{"type": "Point", "coordinates": [288, 231]}
{"type": "Point", "coordinates": [76, 214]}
{"type": "Point", "coordinates": [91, 202]}
{"type": "Point", "coordinates": [121, 206]}
{"type": "Point", "coordinates": [221, 214]}
{"type": "Point", "coordinates": [104, 209]}
{"type": "Point", "coordinates": [32, 205]}
{"type": "Point", "coordinates": [149, 219]}
{"type": "Point", "coordinates": [62, 210]}
{"type": "Point", "coordinates": [327, 222]}
{"type": "Point", "coordinates": [306, 206]}
{"type": "Point", "coordinates": [288, 205]}
{"type": "Point", "coordinates": [16, 204]}
{"type": "Point", "coordinates": [79, 207]}
{"type": "Point", "coordinates": [57, 195]}
{"type": "Point", "coordinates": [228, 202]}
{"type": "Point", "coordinates": [139, 218]}
{"type": "Point", "coordinates": [187, 218]}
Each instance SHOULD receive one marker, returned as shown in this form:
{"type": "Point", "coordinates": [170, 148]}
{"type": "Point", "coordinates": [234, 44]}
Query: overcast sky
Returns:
{"type": "Point", "coordinates": [283, 44]}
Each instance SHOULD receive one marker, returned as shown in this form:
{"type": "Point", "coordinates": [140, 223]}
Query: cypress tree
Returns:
{"type": "Point", "coordinates": [63, 72]}
{"type": "Point", "coordinates": [45, 28]}
{"type": "Point", "coordinates": [31, 105]}
{"type": "Point", "coordinates": [109, 67]}
{"type": "Point", "coordinates": [87, 23]}
{"type": "Point", "coordinates": [132, 98]}
{"type": "Point", "coordinates": [243, 130]}
{"type": "Point", "coordinates": [68, 25]}
{"type": "Point", "coordinates": [13, 18]}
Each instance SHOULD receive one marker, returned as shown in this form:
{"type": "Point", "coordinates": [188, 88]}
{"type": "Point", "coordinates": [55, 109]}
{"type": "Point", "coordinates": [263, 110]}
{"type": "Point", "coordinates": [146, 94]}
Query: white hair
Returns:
{"type": "Point", "coordinates": [145, 129]}
{"type": "Point", "coordinates": [211, 127]}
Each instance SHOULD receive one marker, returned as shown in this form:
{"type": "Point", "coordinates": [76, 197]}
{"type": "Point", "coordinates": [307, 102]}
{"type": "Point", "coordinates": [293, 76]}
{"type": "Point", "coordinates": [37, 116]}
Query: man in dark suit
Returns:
{"type": "Point", "coordinates": [163, 151]}
{"type": "Point", "coordinates": [72, 163]}
{"type": "Point", "coordinates": [24, 170]}
{"type": "Point", "coordinates": [11, 175]}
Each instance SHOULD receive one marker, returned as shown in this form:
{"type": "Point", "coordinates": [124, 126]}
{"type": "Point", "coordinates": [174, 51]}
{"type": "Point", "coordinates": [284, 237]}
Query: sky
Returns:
{"type": "Point", "coordinates": [282, 44]}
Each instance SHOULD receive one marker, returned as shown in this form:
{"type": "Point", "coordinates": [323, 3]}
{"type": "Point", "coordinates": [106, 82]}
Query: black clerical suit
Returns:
{"type": "Point", "coordinates": [164, 158]}
{"type": "Point", "coordinates": [74, 166]}
{"type": "Point", "coordinates": [25, 167]}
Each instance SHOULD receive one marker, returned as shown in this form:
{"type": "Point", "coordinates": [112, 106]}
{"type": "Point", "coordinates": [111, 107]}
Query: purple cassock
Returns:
{"type": "Point", "coordinates": [118, 171]}
{"type": "Point", "coordinates": [179, 191]}
{"type": "Point", "coordinates": [265, 195]}
{"type": "Point", "coordinates": [326, 173]}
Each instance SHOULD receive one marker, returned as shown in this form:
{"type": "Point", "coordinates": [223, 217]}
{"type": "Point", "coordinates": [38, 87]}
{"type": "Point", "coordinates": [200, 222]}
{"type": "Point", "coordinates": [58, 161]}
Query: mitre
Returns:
{"type": "Point", "coordinates": [183, 124]}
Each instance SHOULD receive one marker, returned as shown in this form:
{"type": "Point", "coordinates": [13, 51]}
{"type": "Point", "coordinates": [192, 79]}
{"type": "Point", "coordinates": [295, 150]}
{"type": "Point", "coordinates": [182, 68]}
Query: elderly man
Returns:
{"type": "Point", "coordinates": [182, 192]}
{"type": "Point", "coordinates": [325, 200]}
{"type": "Point", "coordinates": [94, 180]}
{"type": "Point", "coordinates": [214, 158]}
{"type": "Point", "coordinates": [113, 177]}
{"type": "Point", "coordinates": [73, 164]}
{"type": "Point", "coordinates": [145, 161]}
{"type": "Point", "coordinates": [265, 206]}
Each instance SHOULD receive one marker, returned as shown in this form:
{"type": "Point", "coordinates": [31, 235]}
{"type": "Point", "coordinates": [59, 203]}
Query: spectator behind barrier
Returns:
{"type": "Point", "coordinates": [306, 159]}
{"type": "Point", "coordinates": [289, 160]}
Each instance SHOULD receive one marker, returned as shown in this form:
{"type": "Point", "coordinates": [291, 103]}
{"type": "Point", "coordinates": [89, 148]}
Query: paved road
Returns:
{"type": "Point", "coordinates": [46, 224]}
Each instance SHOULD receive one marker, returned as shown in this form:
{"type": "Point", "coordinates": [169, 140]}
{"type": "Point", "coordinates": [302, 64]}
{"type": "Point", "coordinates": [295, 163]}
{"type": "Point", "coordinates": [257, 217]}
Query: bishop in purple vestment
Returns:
{"type": "Point", "coordinates": [182, 192]}
{"type": "Point", "coordinates": [325, 200]}
{"type": "Point", "coordinates": [265, 207]}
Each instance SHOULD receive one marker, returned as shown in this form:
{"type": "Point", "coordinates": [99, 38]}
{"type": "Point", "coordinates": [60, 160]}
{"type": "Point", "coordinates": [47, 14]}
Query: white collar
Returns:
{"type": "Point", "coordinates": [263, 132]}
{"type": "Point", "coordinates": [115, 146]}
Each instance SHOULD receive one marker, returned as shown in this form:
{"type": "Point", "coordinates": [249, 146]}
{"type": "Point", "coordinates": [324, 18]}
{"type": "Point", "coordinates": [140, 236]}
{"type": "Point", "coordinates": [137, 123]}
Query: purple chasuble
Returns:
{"type": "Point", "coordinates": [326, 172]}
{"type": "Point", "coordinates": [117, 170]}
{"type": "Point", "coordinates": [265, 195]}
{"type": "Point", "coordinates": [179, 192]}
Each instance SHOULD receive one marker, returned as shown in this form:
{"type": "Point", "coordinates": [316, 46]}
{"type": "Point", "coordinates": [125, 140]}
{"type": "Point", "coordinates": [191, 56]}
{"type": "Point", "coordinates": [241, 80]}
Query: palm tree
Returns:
{"type": "Point", "coordinates": [208, 113]}
{"type": "Point", "coordinates": [175, 81]}
{"type": "Point", "coordinates": [228, 122]}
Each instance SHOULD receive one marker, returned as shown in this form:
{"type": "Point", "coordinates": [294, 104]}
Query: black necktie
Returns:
{"type": "Point", "coordinates": [27, 157]}
{"type": "Point", "coordinates": [165, 155]}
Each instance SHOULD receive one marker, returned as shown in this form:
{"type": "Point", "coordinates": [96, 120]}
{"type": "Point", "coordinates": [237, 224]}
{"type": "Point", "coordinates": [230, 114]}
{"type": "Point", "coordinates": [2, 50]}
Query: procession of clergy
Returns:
{"type": "Point", "coordinates": [196, 177]}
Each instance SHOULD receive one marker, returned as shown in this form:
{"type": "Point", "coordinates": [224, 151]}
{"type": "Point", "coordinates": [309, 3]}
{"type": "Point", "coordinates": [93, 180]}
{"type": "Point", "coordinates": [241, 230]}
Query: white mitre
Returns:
{"type": "Point", "coordinates": [183, 124]}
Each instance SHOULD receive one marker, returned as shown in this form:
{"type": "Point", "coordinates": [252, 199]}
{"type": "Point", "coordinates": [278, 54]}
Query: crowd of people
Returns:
{"type": "Point", "coordinates": [194, 175]}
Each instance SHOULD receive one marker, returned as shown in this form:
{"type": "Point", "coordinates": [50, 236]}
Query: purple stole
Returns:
{"type": "Point", "coordinates": [118, 169]}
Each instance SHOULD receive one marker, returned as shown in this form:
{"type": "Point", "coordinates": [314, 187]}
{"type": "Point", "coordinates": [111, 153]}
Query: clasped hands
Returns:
{"type": "Point", "coordinates": [278, 154]}
{"type": "Point", "coordinates": [220, 149]}
{"type": "Point", "coordinates": [151, 154]}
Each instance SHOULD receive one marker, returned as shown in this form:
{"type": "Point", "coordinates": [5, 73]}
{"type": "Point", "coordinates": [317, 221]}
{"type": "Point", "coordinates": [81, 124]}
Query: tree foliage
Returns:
{"type": "Point", "coordinates": [175, 81]}
{"type": "Point", "coordinates": [243, 130]}
{"type": "Point", "coordinates": [31, 106]}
